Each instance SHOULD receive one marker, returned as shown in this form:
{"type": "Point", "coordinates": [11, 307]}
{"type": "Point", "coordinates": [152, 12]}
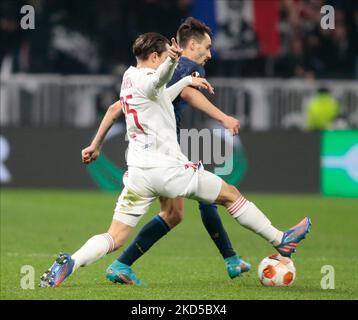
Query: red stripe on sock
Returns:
{"type": "Point", "coordinates": [237, 205]}
{"type": "Point", "coordinates": [234, 204]}
{"type": "Point", "coordinates": [110, 241]}
{"type": "Point", "coordinates": [240, 206]}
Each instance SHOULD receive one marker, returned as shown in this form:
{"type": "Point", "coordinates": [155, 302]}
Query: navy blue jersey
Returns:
{"type": "Point", "coordinates": [185, 67]}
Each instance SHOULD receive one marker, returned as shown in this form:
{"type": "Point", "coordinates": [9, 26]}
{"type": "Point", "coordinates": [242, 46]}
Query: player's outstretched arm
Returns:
{"type": "Point", "coordinates": [91, 152]}
{"type": "Point", "coordinates": [166, 69]}
{"type": "Point", "coordinates": [196, 99]}
{"type": "Point", "coordinates": [177, 87]}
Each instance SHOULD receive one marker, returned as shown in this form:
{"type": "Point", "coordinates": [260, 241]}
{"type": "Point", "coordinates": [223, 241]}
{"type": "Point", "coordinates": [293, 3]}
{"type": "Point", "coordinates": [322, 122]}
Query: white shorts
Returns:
{"type": "Point", "coordinates": [143, 185]}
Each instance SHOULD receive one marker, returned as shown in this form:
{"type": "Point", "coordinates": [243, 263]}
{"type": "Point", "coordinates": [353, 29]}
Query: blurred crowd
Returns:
{"type": "Point", "coordinates": [82, 36]}
{"type": "Point", "coordinates": [90, 36]}
{"type": "Point", "coordinates": [308, 51]}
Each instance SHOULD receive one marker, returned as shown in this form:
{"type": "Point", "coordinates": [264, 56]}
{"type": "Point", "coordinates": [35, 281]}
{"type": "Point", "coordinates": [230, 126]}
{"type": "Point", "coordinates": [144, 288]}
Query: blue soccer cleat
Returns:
{"type": "Point", "coordinates": [293, 236]}
{"type": "Point", "coordinates": [121, 273]}
{"type": "Point", "coordinates": [235, 266]}
{"type": "Point", "coordinates": [58, 272]}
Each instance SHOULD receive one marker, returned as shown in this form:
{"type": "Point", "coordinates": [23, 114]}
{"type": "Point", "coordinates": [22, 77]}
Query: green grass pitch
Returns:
{"type": "Point", "coordinates": [185, 264]}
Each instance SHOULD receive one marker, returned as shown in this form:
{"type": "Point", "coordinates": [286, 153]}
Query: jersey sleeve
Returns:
{"type": "Point", "coordinates": [186, 69]}
{"type": "Point", "coordinates": [174, 90]}
{"type": "Point", "coordinates": [154, 81]}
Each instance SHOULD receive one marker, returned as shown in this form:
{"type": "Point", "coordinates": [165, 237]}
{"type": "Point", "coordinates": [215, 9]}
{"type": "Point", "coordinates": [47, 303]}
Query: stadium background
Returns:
{"type": "Point", "coordinates": [270, 58]}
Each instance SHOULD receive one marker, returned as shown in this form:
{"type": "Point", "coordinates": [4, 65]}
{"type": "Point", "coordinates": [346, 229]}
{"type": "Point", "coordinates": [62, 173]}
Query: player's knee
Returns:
{"type": "Point", "coordinates": [233, 194]}
{"type": "Point", "coordinates": [228, 194]}
{"type": "Point", "coordinates": [178, 215]}
{"type": "Point", "coordinates": [173, 216]}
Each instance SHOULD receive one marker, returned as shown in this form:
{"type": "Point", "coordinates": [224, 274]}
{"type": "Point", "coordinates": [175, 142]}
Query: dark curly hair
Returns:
{"type": "Point", "coordinates": [192, 28]}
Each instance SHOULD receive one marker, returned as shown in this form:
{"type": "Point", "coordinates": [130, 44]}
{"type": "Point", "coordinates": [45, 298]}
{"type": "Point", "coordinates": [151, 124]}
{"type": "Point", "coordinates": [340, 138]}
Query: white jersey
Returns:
{"type": "Point", "coordinates": [150, 118]}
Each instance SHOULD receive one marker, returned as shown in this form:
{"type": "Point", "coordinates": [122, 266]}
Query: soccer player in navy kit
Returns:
{"type": "Point", "coordinates": [195, 38]}
{"type": "Point", "coordinates": [160, 170]}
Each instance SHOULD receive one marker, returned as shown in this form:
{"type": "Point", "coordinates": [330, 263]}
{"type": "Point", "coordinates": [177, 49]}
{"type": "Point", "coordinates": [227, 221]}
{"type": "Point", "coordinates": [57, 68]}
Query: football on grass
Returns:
{"type": "Point", "coordinates": [276, 271]}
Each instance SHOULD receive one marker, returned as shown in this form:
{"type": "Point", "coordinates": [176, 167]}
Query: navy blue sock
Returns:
{"type": "Point", "coordinates": [215, 228]}
{"type": "Point", "coordinates": [148, 235]}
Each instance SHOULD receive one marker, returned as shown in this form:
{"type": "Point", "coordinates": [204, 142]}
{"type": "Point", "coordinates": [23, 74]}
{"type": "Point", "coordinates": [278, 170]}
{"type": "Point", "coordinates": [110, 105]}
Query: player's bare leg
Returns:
{"type": "Point", "coordinates": [94, 249]}
{"type": "Point", "coordinates": [252, 218]}
{"type": "Point", "coordinates": [172, 210]}
{"type": "Point", "coordinates": [171, 214]}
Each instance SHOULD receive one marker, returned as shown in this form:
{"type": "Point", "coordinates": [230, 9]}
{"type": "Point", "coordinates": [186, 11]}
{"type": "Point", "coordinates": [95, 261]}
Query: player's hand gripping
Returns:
{"type": "Point", "coordinates": [202, 83]}
{"type": "Point", "coordinates": [174, 51]}
{"type": "Point", "coordinates": [232, 124]}
{"type": "Point", "coordinates": [90, 154]}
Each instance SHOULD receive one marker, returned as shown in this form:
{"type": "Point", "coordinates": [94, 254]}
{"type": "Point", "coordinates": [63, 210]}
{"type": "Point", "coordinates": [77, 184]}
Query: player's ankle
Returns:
{"type": "Point", "coordinates": [278, 238]}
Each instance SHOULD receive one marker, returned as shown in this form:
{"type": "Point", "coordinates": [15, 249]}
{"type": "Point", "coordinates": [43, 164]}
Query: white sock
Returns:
{"type": "Point", "coordinates": [94, 249]}
{"type": "Point", "coordinates": [249, 216]}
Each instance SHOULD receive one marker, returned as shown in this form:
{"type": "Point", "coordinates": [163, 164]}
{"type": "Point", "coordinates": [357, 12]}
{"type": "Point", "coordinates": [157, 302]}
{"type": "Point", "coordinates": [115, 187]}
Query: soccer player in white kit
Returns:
{"type": "Point", "coordinates": [156, 165]}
